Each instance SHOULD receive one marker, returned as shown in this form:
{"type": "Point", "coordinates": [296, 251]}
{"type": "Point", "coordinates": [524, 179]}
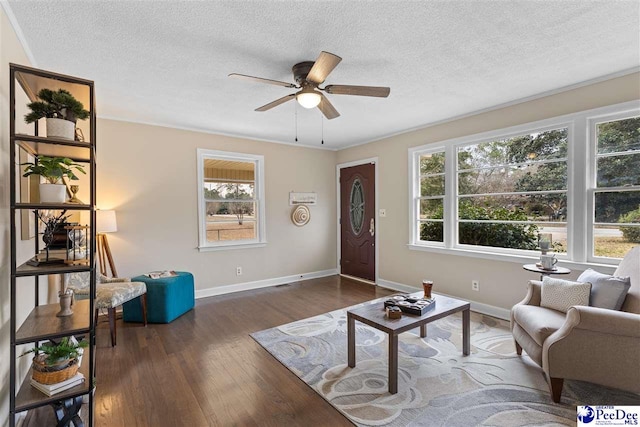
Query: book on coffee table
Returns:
{"type": "Point", "coordinates": [411, 304]}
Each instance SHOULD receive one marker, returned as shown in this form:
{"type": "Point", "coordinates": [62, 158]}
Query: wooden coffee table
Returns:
{"type": "Point", "coordinates": [374, 316]}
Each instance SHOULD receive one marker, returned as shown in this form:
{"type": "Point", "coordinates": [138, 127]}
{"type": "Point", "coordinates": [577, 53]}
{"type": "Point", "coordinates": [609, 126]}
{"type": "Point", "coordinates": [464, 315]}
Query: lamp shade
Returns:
{"type": "Point", "coordinates": [106, 221]}
{"type": "Point", "coordinates": [308, 98]}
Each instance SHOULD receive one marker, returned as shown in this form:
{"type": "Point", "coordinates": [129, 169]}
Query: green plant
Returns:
{"type": "Point", "coordinates": [631, 234]}
{"type": "Point", "coordinates": [56, 104]}
{"type": "Point", "coordinates": [52, 168]}
{"type": "Point", "coordinates": [65, 350]}
{"type": "Point", "coordinates": [504, 235]}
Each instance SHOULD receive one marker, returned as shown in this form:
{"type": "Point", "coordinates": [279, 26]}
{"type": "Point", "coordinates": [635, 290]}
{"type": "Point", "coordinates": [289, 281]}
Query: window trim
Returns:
{"type": "Point", "coordinates": [580, 176]}
{"type": "Point", "coordinates": [258, 160]}
{"type": "Point", "coordinates": [414, 194]}
{"type": "Point", "coordinates": [592, 187]}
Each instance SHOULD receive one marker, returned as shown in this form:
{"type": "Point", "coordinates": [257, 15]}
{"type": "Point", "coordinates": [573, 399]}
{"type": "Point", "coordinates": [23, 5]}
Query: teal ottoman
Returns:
{"type": "Point", "coordinates": [167, 298]}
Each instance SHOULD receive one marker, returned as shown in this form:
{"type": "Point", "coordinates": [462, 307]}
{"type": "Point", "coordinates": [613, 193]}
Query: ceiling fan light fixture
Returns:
{"type": "Point", "coordinates": [308, 98]}
{"type": "Point", "coordinates": [308, 75]}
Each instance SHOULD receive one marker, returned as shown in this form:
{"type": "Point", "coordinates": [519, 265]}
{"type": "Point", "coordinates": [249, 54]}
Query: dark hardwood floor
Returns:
{"type": "Point", "coordinates": [204, 368]}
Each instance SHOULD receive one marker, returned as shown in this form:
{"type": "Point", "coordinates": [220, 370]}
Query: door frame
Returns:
{"type": "Point", "coordinates": [374, 161]}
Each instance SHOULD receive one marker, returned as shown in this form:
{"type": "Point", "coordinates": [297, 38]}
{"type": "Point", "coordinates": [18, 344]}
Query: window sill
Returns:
{"type": "Point", "coordinates": [232, 246]}
{"type": "Point", "coordinates": [516, 258]}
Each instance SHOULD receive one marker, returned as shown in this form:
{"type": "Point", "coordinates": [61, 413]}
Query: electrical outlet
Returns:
{"type": "Point", "coordinates": [475, 285]}
{"type": "Point", "coordinates": [382, 213]}
{"type": "Point", "coordinates": [238, 271]}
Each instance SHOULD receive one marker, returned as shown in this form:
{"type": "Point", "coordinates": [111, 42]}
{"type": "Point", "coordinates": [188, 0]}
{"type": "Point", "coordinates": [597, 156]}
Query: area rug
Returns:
{"type": "Point", "coordinates": [437, 385]}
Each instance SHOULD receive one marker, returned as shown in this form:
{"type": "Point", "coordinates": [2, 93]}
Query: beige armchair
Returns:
{"type": "Point", "coordinates": [588, 343]}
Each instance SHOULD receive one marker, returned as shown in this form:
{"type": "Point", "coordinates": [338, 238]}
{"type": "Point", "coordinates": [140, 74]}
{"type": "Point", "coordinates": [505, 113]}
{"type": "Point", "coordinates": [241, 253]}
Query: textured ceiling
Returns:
{"type": "Point", "coordinates": [166, 62]}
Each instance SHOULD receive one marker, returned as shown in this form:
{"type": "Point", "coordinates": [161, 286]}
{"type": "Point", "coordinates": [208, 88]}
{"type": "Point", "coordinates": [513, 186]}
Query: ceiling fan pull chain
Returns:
{"type": "Point", "coordinates": [322, 128]}
{"type": "Point", "coordinates": [296, 119]}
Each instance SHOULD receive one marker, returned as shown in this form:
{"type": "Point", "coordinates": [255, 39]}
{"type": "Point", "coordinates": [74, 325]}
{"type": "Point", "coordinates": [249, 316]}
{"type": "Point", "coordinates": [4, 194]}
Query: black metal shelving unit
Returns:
{"type": "Point", "coordinates": [41, 324]}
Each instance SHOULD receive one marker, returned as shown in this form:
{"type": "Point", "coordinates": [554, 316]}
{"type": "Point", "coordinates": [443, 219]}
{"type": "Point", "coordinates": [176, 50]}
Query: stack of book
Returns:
{"type": "Point", "coordinates": [161, 274]}
{"type": "Point", "coordinates": [51, 389]}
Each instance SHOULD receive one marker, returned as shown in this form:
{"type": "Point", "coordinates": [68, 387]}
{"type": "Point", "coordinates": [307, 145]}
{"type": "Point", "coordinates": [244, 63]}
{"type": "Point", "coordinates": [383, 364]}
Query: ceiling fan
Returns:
{"type": "Point", "coordinates": [309, 75]}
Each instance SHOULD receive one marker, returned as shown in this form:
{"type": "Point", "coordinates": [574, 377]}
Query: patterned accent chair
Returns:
{"type": "Point", "coordinates": [590, 344]}
{"type": "Point", "coordinates": [110, 294]}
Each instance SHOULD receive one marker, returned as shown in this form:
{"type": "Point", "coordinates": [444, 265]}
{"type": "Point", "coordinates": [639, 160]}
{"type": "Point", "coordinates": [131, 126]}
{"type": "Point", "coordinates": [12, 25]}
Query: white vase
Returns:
{"type": "Point", "coordinates": [60, 128]}
{"type": "Point", "coordinates": [53, 193]}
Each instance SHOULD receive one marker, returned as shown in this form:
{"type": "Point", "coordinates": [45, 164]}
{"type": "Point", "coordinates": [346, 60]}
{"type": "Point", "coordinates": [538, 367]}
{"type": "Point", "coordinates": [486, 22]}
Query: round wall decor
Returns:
{"type": "Point", "coordinates": [300, 215]}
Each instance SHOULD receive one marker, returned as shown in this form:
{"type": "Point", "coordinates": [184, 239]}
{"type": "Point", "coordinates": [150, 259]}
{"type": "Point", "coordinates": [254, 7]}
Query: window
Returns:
{"type": "Point", "coordinates": [573, 179]}
{"type": "Point", "coordinates": [513, 189]}
{"type": "Point", "coordinates": [230, 199]}
{"type": "Point", "coordinates": [616, 195]}
{"type": "Point", "coordinates": [429, 202]}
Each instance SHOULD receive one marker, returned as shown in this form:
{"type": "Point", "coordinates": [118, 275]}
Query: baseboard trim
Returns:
{"type": "Point", "coordinates": [358, 279]}
{"type": "Point", "coordinates": [247, 286]}
{"type": "Point", "coordinates": [490, 310]}
{"type": "Point", "coordinates": [395, 286]}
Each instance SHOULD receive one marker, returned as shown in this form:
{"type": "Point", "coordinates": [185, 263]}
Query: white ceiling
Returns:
{"type": "Point", "coordinates": [166, 62]}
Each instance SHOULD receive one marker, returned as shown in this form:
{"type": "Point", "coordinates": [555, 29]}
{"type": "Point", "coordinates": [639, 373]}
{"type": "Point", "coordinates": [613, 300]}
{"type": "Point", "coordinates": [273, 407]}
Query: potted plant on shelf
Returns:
{"type": "Point", "coordinates": [60, 109]}
{"type": "Point", "coordinates": [52, 169]}
{"type": "Point", "coordinates": [53, 224]}
{"type": "Point", "coordinates": [55, 363]}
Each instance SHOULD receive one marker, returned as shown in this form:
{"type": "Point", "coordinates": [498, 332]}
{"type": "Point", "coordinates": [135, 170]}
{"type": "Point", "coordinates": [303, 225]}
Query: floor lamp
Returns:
{"type": "Point", "coordinates": [105, 223]}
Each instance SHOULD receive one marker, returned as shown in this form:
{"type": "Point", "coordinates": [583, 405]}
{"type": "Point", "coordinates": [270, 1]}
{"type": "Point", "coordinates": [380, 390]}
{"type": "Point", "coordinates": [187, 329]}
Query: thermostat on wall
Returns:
{"type": "Point", "coordinates": [302, 198]}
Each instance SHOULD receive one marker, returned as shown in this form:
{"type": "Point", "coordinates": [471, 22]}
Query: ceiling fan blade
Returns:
{"type": "Point", "coordinates": [277, 102]}
{"type": "Point", "coordinates": [381, 92]}
{"type": "Point", "coordinates": [323, 66]}
{"type": "Point", "coordinates": [327, 108]}
{"type": "Point", "coordinates": [261, 80]}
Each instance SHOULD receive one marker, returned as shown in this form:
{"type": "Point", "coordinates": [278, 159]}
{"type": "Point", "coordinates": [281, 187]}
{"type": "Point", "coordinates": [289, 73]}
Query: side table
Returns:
{"type": "Point", "coordinates": [535, 269]}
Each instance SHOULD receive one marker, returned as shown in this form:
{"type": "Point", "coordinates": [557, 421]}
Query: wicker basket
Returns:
{"type": "Point", "coordinates": [47, 374]}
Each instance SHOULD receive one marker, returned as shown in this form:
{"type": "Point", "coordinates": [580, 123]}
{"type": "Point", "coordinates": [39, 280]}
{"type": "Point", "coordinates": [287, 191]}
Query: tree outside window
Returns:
{"type": "Point", "coordinates": [617, 188]}
{"type": "Point", "coordinates": [509, 190]}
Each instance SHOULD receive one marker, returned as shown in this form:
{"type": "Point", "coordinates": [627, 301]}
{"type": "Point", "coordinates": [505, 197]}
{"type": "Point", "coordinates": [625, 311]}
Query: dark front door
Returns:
{"type": "Point", "coordinates": [357, 221]}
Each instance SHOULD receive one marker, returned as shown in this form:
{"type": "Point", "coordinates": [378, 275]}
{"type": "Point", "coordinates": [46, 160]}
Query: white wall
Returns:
{"type": "Point", "coordinates": [501, 283]}
{"type": "Point", "coordinates": [148, 175]}
{"type": "Point", "coordinates": [10, 51]}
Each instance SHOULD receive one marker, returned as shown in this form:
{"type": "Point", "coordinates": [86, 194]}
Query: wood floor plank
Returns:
{"type": "Point", "coordinates": [204, 368]}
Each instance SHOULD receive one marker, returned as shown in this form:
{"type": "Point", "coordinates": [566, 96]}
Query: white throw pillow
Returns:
{"type": "Point", "coordinates": [560, 295]}
{"type": "Point", "coordinates": [606, 291]}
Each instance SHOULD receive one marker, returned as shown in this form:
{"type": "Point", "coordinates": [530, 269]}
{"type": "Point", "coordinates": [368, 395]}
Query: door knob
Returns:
{"type": "Point", "coordinates": [372, 227]}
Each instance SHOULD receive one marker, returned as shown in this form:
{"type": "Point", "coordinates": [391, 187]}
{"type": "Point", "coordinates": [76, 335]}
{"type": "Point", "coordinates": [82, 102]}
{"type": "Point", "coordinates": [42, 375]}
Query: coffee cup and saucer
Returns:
{"type": "Point", "coordinates": [547, 262]}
